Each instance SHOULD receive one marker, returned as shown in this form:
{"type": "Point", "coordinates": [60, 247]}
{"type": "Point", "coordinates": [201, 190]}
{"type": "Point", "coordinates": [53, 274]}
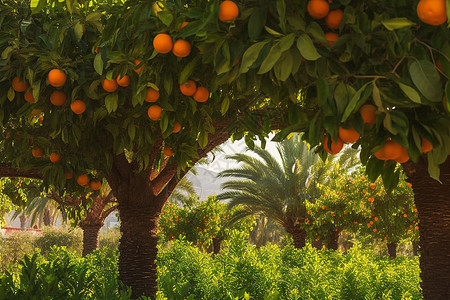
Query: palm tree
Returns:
{"type": "Point", "coordinates": [262, 185]}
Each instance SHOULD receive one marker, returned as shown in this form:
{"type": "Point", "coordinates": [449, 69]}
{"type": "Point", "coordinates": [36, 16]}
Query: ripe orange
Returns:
{"type": "Point", "coordinates": [183, 25]}
{"type": "Point", "coordinates": [368, 114]}
{"type": "Point", "coordinates": [426, 145]}
{"type": "Point", "coordinates": [83, 180]}
{"type": "Point", "coordinates": [181, 48]}
{"type": "Point", "coordinates": [336, 147]}
{"type": "Point", "coordinates": [151, 95]}
{"type": "Point", "coordinates": [68, 174]}
{"type": "Point", "coordinates": [163, 43]}
{"type": "Point", "coordinates": [37, 152]}
{"type": "Point", "coordinates": [55, 157]}
{"type": "Point", "coordinates": [392, 150]}
{"type": "Point", "coordinates": [95, 185]}
{"type": "Point", "coordinates": [168, 151]}
{"type": "Point", "coordinates": [137, 63]}
{"type": "Point", "coordinates": [348, 135]}
{"type": "Point", "coordinates": [29, 96]}
{"type": "Point", "coordinates": [19, 86]}
{"type": "Point", "coordinates": [188, 88]}
{"type": "Point", "coordinates": [373, 186]}
{"type": "Point", "coordinates": [109, 85]}
{"type": "Point", "coordinates": [201, 95]}
{"type": "Point", "coordinates": [228, 11]}
{"type": "Point", "coordinates": [154, 112]}
{"type": "Point", "coordinates": [58, 98]}
{"type": "Point", "coordinates": [78, 107]}
{"type": "Point", "coordinates": [176, 127]}
{"type": "Point", "coordinates": [124, 81]}
{"type": "Point", "coordinates": [331, 37]}
{"type": "Point", "coordinates": [334, 18]}
{"type": "Point", "coordinates": [432, 12]}
{"type": "Point", "coordinates": [404, 156]}
{"type": "Point", "coordinates": [318, 9]}
{"type": "Point", "coordinates": [56, 78]}
{"type": "Point", "coordinates": [408, 184]}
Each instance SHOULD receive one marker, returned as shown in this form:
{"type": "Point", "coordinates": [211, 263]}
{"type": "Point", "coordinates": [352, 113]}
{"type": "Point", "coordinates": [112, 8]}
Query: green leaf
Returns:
{"type": "Point", "coordinates": [7, 52]}
{"type": "Point", "coordinates": [353, 103]}
{"type": "Point", "coordinates": [342, 94]}
{"type": "Point", "coordinates": [281, 9]}
{"type": "Point", "coordinates": [250, 56]}
{"type": "Point", "coordinates": [271, 59]}
{"type": "Point", "coordinates": [377, 97]}
{"type": "Point", "coordinates": [131, 131]}
{"type": "Point", "coordinates": [98, 64]}
{"type": "Point", "coordinates": [188, 70]}
{"type": "Point", "coordinates": [272, 32]}
{"type": "Point", "coordinates": [283, 68]}
{"type": "Point", "coordinates": [256, 22]}
{"type": "Point", "coordinates": [203, 139]}
{"type": "Point", "coordinates": [78, 29]}
{"type": "Point", "coordinates": [11, 94]}
{"type": "Point", "coordinates": [306, 47]}
{"type": "Point", "coordinates": [447, 96]}
{"type": "Point", "coordinates": [397, 23]}
{"type": "Point", "coordinates": [112, 102]}
{"type": "Point", "coordinates": [166, 17]}
{"type": "Point", "coordinates": [410, 92]}
{"type": "Point", "coordinates": [425, 77]}
{"type": "Point", "coordinates": [287, 41]}
{"type": "Point", "coordinates": [225, 105]}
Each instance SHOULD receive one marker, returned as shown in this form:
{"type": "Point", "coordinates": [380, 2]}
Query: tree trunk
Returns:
{"type": "Point", "coordinates": [298, 235]}
{"type": "Point", "coordinates": [90, 237]}
{"type": "Point", "coordinates": [333, 242]}
{"type": "Point", "coordinates": [433, 205]}
{"type": "Point", "coordinates": [23, 220]}
{"type": "Point", "coordinates": [47, 219]}
{"type": "Point", "coordinates": [392, 250]}
{"type": "Point", "coordinates": [415, 247]}
{"type": "Point", "coordinates": [317, 244]}
{"type": "Point", "coordinates": [216, 245]}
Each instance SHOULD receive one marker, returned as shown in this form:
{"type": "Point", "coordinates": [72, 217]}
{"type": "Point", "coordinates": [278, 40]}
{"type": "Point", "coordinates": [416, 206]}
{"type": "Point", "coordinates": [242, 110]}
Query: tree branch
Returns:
{"type": "Point", "coordinates": [6, 170]}
{"type": "Point", "coordinates": [106, 213]}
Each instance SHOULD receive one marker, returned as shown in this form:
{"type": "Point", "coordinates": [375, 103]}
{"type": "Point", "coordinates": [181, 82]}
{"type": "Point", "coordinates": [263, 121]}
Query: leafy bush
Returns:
{"type": "Point", "coordinates": [13, 248]}
{"type": "Point", "coordinates": [109, 238]}
{"type": "Point", "coordinates": [52, 236]}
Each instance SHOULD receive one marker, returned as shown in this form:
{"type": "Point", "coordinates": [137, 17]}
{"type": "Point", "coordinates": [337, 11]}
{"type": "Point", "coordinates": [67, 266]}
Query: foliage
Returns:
{"type": "Point", "coordinates": [109, 238]}
{"type": "Point", "coordinates": [13, 248]}
{"type": "Point", "coordinates": [53, 236]}
{"type": "Point", "coordinates": [199, 221]}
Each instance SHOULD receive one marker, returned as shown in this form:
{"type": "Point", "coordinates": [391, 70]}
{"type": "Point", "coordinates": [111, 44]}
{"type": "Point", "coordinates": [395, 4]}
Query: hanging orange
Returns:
{"type": "Point", "coordinates": [426, 145]}
{"type": "Point", "coordinates": [163, 43]}
{"type": "Point", "coordinates": [37, 152]}
{"type": "Point", "coordinates": [78, 107]}
{"type": "Point", "coordinates": [176, 127]}
{"type": "Point", "coordinates": [19, 86]}
{"type": "Point", "coordinates": [331, 37]}
{"type": "Point", "coordinates": [189, 88]}
{"type": "Point", "coordinates": [336, 147]}
{"type": "Point", "coordinates": [56, 78]}
{"type": "Point", "coordinates": [151, 95]}
{"type": "Point", "coordinates": [83, 180]}
{"type": "Point", "coordinates": [58, 98]}
{"type": "Point", "coordinates": [68, 174]}
{"type": "Point", "coordinates": [334, 18]}
{"type": "Point", "coordinates": [154, 112]}
{"type": "Point", "coordinates": [318, 9]}
{"type": "Point", "coordinates": [201, 95]}
{"type": "Point", "coordinates": [349, 135]}
{"type": "Point", "coordinates": [168, 151]}
{"type": "Point", "coordinates": [123, 81]}
{"type": "Point", "coordinates": [95, 185]}
{"type": "Point", "coordinates": [29, 96]}
{"type": "Point", "coordinates": [55, 157]}
{"type": "Point", "coordinates": [433, 12]}
{"type": "Point", "coordinates": [368, 114]}
{"type": "Point", "coordinates": [137, 62]}
{"type": "Point", "coordinates": [109, 85]}
{"type": "Point", "coordinates": [228, 11]}
{"type": "Point", "coordinates": [181, 48]}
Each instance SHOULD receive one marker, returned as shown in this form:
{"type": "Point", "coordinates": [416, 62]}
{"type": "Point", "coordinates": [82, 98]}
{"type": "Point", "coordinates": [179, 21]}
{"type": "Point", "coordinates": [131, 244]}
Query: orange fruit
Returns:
{"type": "Point", "coordinates": [181, 48]}
{"type": "Point", "coordinates": [58, 98]}
{"type": "Point", "coordinates": [95, 185]}
{"type": "Point", "coordinates": [19, 86]}
{"type": "Point", "coordinates": [78, 107]}
{"type": "Point", "coordinates": [168, 151]}
{"type": "Point", "coordinates": [318, 9]}
{"type": "Point", "coordinates": [336, 147]}
{"type": "Point", "coordinates": [404, 156]}
{"type": "Point", "coordinates": [433, 12]}
{"type": "Point", "coordinates": [183, 25]}
{"type": "Point", "coordinates": [176, 127]}
{"type": "Point", "coordinates": [56, 78]}
{"type": "Point", "coordinates": [408, 184]}
{"type": "Point", "coordinates": [201, 95]}
{"type": "Point", "coordinates": [392, 150]}
{"type": "Point", "coordinates": [123, 81]}
{"type": "Point", "coordinates": [331, 37]}
{"type": "Point", "coordinates": [37, 152]}
{"type": "Point", "coordinates": [68, 174]}
{"type": "Point", "coordinates": [189, 88]}
{"type": "Point", "coordinates": [334, 18]}
{"type": "Point", "coordinates": [154, 112]}
{"type": "Point", "coordinates": [137, 62]}
{"type": "Point", "coordinates": [29, 96]}
{"type": "Point", "coordinates": [228, 11]}
{"type": "Point", "coordinates": [109, 85]}
{"type": "Point", "coordinates": [55, 157]}
{"type": "Point", "coordinates": [373, 186]}
{"type": "Point", "coordinates": [83, 180]}
{"type": "Point", "coordinates": [163, 43]}
{"type": "Point", "coordinates": [348, 135]}
{"type": "Point", "coordinates": [151, 95]}
{"type": "Point", "coordinates": [426, 145]}
{"type": "Point", "coordinates": [368, 114]}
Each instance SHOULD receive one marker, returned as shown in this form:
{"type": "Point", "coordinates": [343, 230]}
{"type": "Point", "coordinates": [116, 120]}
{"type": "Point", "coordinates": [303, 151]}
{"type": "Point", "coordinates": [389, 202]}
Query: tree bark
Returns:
{"type": "Point", "coordinates": [415, 247]}
{"type": "Point", "coordinates": [47, 219]}
{"type": "Point", "coordinates": [333, 243]}
{"type": "Point", "coordinates": [90, 237]}
{"type": "Point", "coordinates": [433, 205]}
{"type": "Point", "coordinates": [317, 244]}
{"type": "Point", "coordinates": [392, 250]}
{"type": "Point", "coordinates": [23, 220]}
{"type": "Point", "coordinates": [298, 235]}
{"type": "Point", "coordinates": [216, 244]}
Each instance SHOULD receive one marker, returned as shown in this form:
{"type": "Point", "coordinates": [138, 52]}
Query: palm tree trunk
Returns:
{"type": "Point", "coordinates": [433, 205]}
{"type": "Point", "coordinates": [47, 219]}
{"type": "Point", "coordinates": [298, 235]}
{"type": "Point", "coordinates": [333, 242]}
{"type": "Point", "coordinates": [23, 220]}
{"type": "Point", "coordinates": [415, 246]}
{"type": "Point", "coordinates": [317, 244]}
{"type": "Point", "coordinates": [392, 249]}
{"type": "Point", "coordinates": [90, 237]}
{"type": "Point", "coordinates": [216, 244]}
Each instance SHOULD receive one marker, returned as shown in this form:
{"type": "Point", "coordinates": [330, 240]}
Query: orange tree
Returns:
{"type": "Point", "coordinates": [95, 85]}
{"type": "Point", "coordinates": [200, 222]}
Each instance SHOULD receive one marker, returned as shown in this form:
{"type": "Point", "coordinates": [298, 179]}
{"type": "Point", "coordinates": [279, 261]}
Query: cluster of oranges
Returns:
{"type": "Point", "coordinates": [200, 94]}
{"type": "Point", "coordinates": [85, 182]}
{"type": "Point", "coordinates": [163, 44]}
{"type": "Point", "coordinates": [319, 9]}
{"type": "Point", "coordinates": [391, 150]}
